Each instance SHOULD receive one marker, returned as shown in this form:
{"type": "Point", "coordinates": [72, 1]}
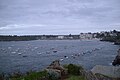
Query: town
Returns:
{"type": "Point", "coordinates": [112, 36]}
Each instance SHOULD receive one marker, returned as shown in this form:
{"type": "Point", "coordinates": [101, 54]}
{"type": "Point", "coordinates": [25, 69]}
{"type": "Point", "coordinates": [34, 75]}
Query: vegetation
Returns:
{"type": "Point", "coordinates": [17, 38]}
{"type": "Point", "coordinates": [112, 36]}
{"type": "Point", "coordinates": [74, 69]}
{"type": "Point", "coordinates": [73, 77]}
{"type": "Point", "coordinates": [34, 37]}
{"type": "Point", "coordinates": [30, 76]}
{"type": "Point", "coordinates": [74, 72]}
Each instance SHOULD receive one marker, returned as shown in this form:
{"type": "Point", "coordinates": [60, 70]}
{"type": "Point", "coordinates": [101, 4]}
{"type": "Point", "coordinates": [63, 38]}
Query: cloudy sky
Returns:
{"type": "Point", "coordinates": [23, 17]}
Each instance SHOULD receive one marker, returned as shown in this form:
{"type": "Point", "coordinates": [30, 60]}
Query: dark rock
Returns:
{"type": "Point", "coordinates": [2, 76]}
{"type": "Point", "coordinates": [117, 59]}
{"type": "Point", "coordinates": [24, 56]}
{"type": "Point", "coordinates": [117, 43]}
{"type": "Point", "coordinates": [54, 51]}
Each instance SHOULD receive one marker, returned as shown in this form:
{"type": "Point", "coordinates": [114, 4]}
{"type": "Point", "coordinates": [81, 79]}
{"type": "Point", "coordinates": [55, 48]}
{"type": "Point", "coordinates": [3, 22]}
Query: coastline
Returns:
{"type": "Point", "coordinates": [57, 72]}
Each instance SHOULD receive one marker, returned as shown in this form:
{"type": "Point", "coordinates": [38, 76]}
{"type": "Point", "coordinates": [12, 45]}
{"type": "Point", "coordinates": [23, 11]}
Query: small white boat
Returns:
{"type": "Point", "coordinates": [66, 56]}
{"type": "Point", "coordinates": [61, 59]}
{"type": "Point", "coordinates": [19, 53]}
{"type": "Point", "coordinates": [35, 47]}
{"type": "Point", "coordinates": [13, 52]}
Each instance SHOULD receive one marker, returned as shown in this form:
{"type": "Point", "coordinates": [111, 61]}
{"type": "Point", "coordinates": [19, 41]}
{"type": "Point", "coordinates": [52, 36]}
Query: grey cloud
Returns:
{"type": "Point", "coordinates": [65, 13]}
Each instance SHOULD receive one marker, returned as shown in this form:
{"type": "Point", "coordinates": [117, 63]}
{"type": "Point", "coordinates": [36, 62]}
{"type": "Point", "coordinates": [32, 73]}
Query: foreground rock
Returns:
{"type": "Point", "coordinates": [109, 71]}
{"type": "Point", "coordinates": [56, 70]}
{"type": "Point", "coordinates": [117, 59]}
{"type": "Point", "coordinates": [89, 75]}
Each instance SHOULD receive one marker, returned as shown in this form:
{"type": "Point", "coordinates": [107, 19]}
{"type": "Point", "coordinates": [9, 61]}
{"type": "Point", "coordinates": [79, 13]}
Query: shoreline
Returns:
{"type": "Point", "coordinates": [98, 72]}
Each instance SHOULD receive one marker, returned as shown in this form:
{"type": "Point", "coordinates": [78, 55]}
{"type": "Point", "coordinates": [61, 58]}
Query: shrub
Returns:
{"type": "Point", "coordinates": [74, 69]}
{"type": "Point", "coordinates": [65, 66]}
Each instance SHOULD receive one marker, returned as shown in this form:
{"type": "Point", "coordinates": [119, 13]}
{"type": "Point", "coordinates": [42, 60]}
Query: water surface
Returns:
{"type": "Point", "coordinates": [36, 55]}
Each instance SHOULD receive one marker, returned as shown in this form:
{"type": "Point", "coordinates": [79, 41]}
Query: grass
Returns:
{"type": "Point", "coordinates": [32, 76]}
{"type": "Point", "coordinates": [73, 77]}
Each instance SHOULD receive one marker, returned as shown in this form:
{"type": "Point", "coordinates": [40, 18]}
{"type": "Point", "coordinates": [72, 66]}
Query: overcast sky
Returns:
{"type": "Point", "coordinates": [23, 17]}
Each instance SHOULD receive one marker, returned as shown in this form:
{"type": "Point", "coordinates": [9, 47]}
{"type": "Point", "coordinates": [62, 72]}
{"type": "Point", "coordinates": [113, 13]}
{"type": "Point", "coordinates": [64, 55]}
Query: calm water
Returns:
{"type": "Point", "coordinates": [36, 55]}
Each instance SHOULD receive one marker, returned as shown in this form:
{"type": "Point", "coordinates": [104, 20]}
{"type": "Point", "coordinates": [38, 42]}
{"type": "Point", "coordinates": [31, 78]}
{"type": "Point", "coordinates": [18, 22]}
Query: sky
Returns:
{"type": "Point", "coordinates": [27, 17]}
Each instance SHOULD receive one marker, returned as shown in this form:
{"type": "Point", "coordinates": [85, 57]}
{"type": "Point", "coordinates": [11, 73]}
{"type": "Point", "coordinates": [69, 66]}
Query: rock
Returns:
{"type": "Point", "coordinates": [88, 75]}
{"type": "Point", "coordinates": [117, 42]}
{"type": "Point", "coordinates": [25, 56]}
{"type": "Point", "coordinates": [54, 74]}
{"type": "Point", "coordinates": [109, 71]}
{"type": "Point", "coordinates": [55, 51]}
{"type": "Point", "coordinates": [117, 59]}
{"type": "Point", "coordinates": [56, 69]}
{"type": "Point", "coordinates": [103, 77]}
{"type": "Point", "coordinates": [54, 64]}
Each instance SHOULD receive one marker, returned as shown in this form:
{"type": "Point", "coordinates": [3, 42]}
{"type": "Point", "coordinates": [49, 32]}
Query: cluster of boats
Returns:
{"type": "Point", "coordinates": [50, 51]}
{"type": "Point", "coordinates": [79, 54]}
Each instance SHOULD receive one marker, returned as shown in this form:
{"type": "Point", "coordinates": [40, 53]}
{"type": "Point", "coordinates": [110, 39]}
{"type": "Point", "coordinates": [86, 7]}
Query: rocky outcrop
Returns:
{"type": "Point", "coordinates": [103, 77]}
{"type": "Point", "coordinates": [117, 59]}
{"type": "Point", "coordinates": [56, 72]}
{"type": "Point", "coordinates": [109, 71]}
{"type": "Point", "coordinates": [55, 69]}
{"type": "Point", "coordinates": [89, 75]}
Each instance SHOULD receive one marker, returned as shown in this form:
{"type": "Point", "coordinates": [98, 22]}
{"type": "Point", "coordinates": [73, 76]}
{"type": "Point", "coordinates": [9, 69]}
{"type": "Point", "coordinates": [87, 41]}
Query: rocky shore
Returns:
{"type": "Point", "coordinates": [56, 71]}
{"type": "Point", "coordinates": [99, 72]}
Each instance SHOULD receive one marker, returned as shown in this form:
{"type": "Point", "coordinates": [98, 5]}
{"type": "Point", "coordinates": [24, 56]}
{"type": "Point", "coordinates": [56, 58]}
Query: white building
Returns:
{"type": "Point", "coordinates": [86, 36]}
{"type": "Point", "coordinates": [60, 37]}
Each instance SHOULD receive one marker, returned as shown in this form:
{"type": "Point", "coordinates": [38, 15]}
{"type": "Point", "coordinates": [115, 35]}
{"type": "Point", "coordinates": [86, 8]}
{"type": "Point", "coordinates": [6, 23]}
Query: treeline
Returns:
{"type": "Point", "coordinates": [17, 38]}
{"type": "Point", "coordinates": [112, 36]}
{"type": "Point", "coordinates": [37, 37]}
